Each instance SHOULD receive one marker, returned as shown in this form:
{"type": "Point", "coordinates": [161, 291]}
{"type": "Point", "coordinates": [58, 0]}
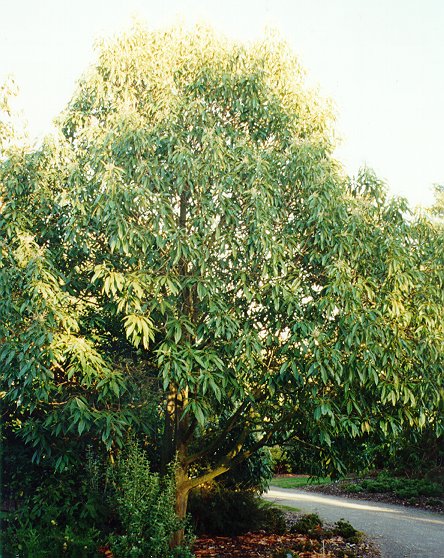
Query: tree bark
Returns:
{"type": "Point", "coordinates": [168, 448]}
{"type": "Point", "coordinates": [182, 492]}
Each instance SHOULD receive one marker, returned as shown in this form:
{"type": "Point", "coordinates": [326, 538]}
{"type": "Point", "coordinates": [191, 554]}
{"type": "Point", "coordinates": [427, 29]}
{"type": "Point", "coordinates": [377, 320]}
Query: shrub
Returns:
{"type": "Point", "coordinates": [344, 529]}
{"type": "Point", "coordinates": [308, 524]}
{"type": "Point", "coordinates": [281, 462]}
{"type": "Point", "coordinates": [429, 488]}
{"type": "Point", "coordinates": [354, 488]}
{"type": "Point", "coordinates": [407, 493]}
{"type": "Point", "coordinates": [145, 505]}
{"type": "Point", "coordinates": [54, 514]}
{"type": "Point", "coordinates": [435, 502]}
{"type": "Point", "coordinates": [402, 487]}
{"type": "Point", "coordinates": [218, 511]}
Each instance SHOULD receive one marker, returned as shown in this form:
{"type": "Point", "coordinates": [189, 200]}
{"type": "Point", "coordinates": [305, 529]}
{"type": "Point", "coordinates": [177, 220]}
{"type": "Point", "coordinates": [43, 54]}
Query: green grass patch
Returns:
{"type": "Point", "coordinates": [298, 482]}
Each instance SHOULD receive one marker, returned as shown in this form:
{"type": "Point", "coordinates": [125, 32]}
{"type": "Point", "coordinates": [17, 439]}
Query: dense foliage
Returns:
{"type": "Point", "coordinates": [145, 507]}
{"type": "Point", "coordinates": [217, 511]}
{"type": "Point", "coordinates": [46, 515]}
{"type": "Point", "coordinates": [187, 260]}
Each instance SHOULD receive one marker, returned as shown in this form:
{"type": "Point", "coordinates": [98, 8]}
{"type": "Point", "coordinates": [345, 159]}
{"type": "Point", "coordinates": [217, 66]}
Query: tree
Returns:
{"type": "Point", "coordinates": [189, 237]}
{"type": "Point", "coordinates": [437, 208]}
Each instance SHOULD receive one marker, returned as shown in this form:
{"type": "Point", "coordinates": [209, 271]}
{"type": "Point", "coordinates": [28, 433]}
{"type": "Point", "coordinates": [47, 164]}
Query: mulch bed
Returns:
{"type": "Point", "coordinates": [265, 545]}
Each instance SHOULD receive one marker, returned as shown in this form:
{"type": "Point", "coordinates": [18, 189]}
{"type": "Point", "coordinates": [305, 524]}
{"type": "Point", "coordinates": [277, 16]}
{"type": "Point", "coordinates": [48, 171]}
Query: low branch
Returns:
{"type": "Point", "coordinates": [224, 464]}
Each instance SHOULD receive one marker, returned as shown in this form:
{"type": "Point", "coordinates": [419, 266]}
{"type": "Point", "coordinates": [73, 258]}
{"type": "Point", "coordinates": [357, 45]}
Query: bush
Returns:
{"type": "Point", "coordinates": [217, 511]}
{"type": "Point", "coordinates": [402, 487]}
{"type": "Point", "coordinates": [53, 514]}
{"type": "Point", "coordinates": [145, 506]}
{"type": "Point", "coordinates": [411, 453]}
{"type": "Point", "coordinates": [75, 512]}
{"type": "Point", "coordinates": [281, 462]}
{"type": "Point", "coordinates": [354, 488]}
{"type": "Point", "coordinates": [435, 502]}
{"type": "Point", "coordinates": [344, 529]}
{"type": "Point", "coordinates": [308, 524]}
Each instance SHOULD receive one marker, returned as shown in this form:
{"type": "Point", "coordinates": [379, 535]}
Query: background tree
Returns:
{"type": "Point", "coordinates": [188, 245]}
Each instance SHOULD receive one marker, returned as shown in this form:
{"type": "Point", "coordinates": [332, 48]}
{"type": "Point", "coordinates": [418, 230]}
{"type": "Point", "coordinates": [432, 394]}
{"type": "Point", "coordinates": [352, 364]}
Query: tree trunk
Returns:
{"type": "Point", "coordinates": [176, 424]}
{"type": "Point", "coordinates": [182, 492]}
{"type": "Point", "coordinates": [168, 447]}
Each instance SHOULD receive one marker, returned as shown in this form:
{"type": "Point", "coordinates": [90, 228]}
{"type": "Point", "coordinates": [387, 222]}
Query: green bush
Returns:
{"type": "Point", "coordinates": [402, 487]}
{"type": "Point", "coordinates": [344, 529]}
{"type": "Point", "coordinates": [308, 524]}
{"type": "Point", "coordinates": [429, 488]}
{"type": "Point", "coordinates": [145, 505]}
{"type": "Point", "coordinates": [281, 462]}
{"type": "Point", "coordinates": [53, 514]}
{"type": "Point", "coordinates": [75, 512]}
{"type": "Point", "coordinates": [407, 493]}
{"type": "Point", "coordinates": [411, 452]}
{"type": "Point", "coordinates": [354, 488]}
{"type": "Point", "coordinates": [218, 511]}
{"type": "Point", "coordinates": [435, 502]}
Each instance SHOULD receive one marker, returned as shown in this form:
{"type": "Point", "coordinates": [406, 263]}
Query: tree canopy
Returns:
{"type": "Point", "coordinates": [187, 247]}
{"type": "Point", "coordinates": [438, 207]}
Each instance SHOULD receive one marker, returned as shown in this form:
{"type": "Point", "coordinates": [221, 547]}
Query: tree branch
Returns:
{"type": "Point", "coordinates": [215, 444]}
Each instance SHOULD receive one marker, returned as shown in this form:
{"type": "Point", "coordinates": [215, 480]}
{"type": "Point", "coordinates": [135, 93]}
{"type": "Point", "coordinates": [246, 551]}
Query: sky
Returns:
{"type": "Point", "coordinates": [380, 61]}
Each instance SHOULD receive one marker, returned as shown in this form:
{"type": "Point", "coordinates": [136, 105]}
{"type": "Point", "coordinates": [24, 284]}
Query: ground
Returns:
{"type": "Point", "coordinates": [263, 545]}
{"type": "Point", "coordinates": [399, 531]}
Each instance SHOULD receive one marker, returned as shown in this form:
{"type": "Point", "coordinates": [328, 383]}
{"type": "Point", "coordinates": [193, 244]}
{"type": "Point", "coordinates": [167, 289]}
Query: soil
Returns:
{"type": "Point", "coordinates": [265, 545]}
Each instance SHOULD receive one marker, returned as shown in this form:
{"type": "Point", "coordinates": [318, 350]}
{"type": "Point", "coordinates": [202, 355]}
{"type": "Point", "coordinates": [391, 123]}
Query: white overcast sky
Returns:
{"type": "Point", "coordinates": [381, 61]}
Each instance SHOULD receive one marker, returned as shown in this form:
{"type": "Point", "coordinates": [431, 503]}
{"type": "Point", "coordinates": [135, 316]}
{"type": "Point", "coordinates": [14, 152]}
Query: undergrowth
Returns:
{"type": "Point", "coordinates": [400, 487]}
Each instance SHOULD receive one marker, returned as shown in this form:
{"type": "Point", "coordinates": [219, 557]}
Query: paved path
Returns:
{"type": "Point", "coordinates": [399, 532]}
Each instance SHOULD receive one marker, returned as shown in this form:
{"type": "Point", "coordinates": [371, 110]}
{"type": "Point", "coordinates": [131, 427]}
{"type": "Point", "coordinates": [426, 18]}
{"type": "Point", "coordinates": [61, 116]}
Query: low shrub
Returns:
{"type": "Point", "coordinates": [429, 488]}
{"type": "Point", "coordinates": [435, 502]}
{"type": "Point", "coordinates": [344, 529]}
{"type": "Point", "coordinates": [309, 524]}
{"type": "Point", "coordinates": [218, 511]}
{"type": "Point", "coordinates": [401, 487]}
{"type": "Point", "coordinates": [312, 526]}
{"type": "Point", "coordinates": [406, 493]}
{"type": "Point", "coordinates": [354, 488]}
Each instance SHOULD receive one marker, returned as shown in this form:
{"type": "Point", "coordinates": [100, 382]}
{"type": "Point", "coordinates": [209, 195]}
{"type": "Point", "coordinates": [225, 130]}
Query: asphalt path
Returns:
{"type": "Point", "coordinates": [399, 532]}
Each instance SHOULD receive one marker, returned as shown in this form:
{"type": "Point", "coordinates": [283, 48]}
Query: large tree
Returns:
{"type": "Point", "coordinates": [437, 208]}
{"type": "Point", "coordinates": [188, 245]}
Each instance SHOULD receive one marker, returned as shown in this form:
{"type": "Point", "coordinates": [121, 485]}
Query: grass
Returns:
{"type": "Point", "coordinates": [298, 482]}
